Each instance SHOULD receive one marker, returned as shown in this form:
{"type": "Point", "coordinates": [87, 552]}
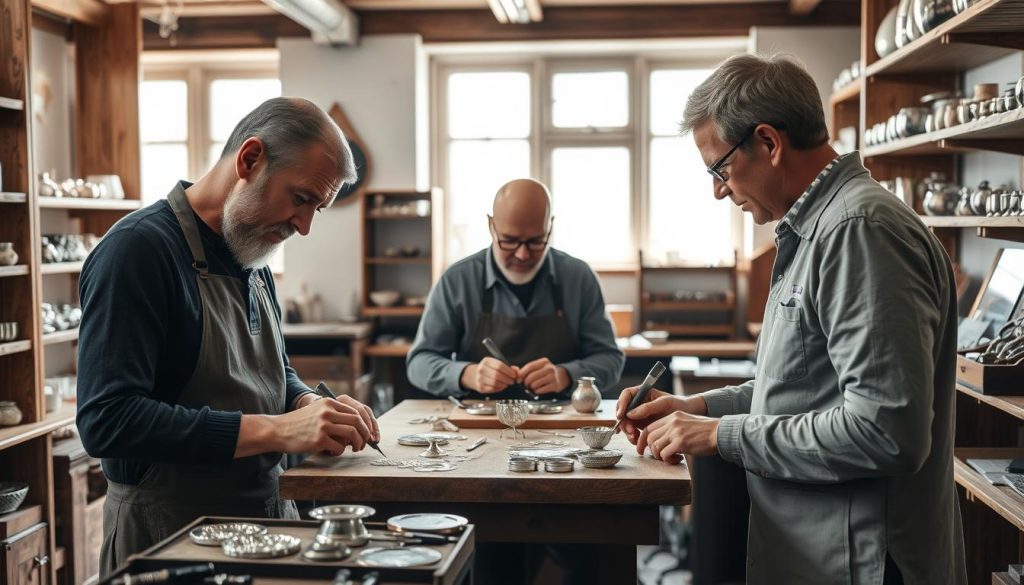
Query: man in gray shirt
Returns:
{"type": "Point", "coordinates": [846, 431]}
{"type": "Point", "coordinates": [542, 307]}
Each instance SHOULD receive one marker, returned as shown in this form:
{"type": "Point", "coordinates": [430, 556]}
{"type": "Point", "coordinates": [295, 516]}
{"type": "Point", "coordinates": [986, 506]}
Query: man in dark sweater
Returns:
{"type": "Point", "coordinates": [184, 388]}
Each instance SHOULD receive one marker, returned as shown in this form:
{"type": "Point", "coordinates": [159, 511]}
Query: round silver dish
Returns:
{"type": "Point", "coordinates": [319, 552]}
{"type": "Point", "coordinates": [542, 408]}
{"type": "Point", "coordinates": [261, 546]}
{"type": "Point", "coordinates": [522, 464]}
{"type": "Point", "coordinates": [480, 409]}
{"type": "Point", "coordinates": [397, 557]}
{"type": "Point", "coordinates": [215, 534]}
{"type": "Point", "coordinates": [436, 523]}
{"type": "Point", "coordinates": [600, 458]}
{"type": "Point", "coordinates": [559, 465]}
{"type": "Point", "coordinates": [423, 439]}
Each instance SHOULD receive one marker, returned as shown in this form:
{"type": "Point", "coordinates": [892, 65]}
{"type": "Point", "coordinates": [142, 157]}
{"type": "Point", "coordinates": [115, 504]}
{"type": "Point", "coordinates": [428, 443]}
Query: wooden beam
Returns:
{"type": "Point", "coordinates": [803, 7]}
{"type": "Point", "coordinates": [224, 32]}
{"type": "Point", "coordinates": [91, 12]}
{"type": "Point", "coordinates": [56, 25]}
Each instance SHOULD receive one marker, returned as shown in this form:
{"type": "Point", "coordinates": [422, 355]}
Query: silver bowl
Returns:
{"type": "Point", "coordinates": [595, 437]}
{"type": "Point", "coordinates": [342, 524]}
{"type": "Point", "coordinates": [599, 458]}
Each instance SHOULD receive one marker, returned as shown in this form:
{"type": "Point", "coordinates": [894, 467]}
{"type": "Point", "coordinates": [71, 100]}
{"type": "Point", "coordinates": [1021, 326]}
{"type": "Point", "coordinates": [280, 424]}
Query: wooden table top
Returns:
{"type": "Point", "coordinates": [326, 330]}
{"type": "Point", "coordinates": [635, 480]}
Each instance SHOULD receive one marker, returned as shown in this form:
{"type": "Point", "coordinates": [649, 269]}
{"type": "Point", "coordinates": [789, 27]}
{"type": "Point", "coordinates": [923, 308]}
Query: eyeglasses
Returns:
{"type": "Point", "coordinates": [513, 244]}
{"type": "Point", "coordinates": [715, 169]}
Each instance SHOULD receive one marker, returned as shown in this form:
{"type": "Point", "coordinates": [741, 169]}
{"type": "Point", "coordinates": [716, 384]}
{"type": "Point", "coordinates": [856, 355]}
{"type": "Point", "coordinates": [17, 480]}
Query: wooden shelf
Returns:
{"type": "Point", "coordinates": [391, 350]}
{"type": "Point", "coordinates": [60, 336]}
{"type": "Point", "coordinates": [849, 93]}
{"type": "Point", "coordinates": [16, 270]}
{"type": "Point", "coordinates": [1012, 405]}
{"type": "Point", "coordinates": [999, 133]}
{"type": "Point", "coordinates": [392, 311]}
{"type": "Point", "coordinates": [89, 204]}
{"type": "Point", "coordinates": [7, 103]}
{"type": "Point", "coordinates": [61, 267]}
{"type": "Point", "coordinates": [400, 261]}
{"type": "Point", "coordinates": [937, 221]}
{"type": "Point", "coordinates": [1001, 499]}
{"type": "Point", "coordinates": [695, 329]}
{"type": "Point", "coordinates": [375, 215]}
{"type": "Point", "coordinates": [684, 268]}
{"type": "Point", "coordinates": [12, 347]}
{"type": "Point", "coordinates": [719, 349]}
{"type": "Point", "coordinates": [62, 417]}
{"type": "Point", "coordinates": [11, 197]}
{"type": "Point", "coordinates": [984, 32]}
{"type": "Point", "coordinates": [694, 306]}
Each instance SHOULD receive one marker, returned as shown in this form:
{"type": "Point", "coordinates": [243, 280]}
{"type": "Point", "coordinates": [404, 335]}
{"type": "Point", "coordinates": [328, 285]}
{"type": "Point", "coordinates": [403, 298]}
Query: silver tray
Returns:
{"type": "Point", "coordinates": [215, 534]}
{"type": "Point", "coordinates": [262, 546]}
{"type": "Point", "coordinates": [397, 557]}
{"type": "Point", "coordinates": [437, 523]}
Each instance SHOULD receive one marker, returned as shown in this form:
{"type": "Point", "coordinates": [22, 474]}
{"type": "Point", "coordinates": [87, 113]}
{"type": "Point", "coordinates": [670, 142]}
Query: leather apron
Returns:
{"type": "Point", "coordinates": [240, 368]}
{"type": "Point", "coordinates": [522, 340]}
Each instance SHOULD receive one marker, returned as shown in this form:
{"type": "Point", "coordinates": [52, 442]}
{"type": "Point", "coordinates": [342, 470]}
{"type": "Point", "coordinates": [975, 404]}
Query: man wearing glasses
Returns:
{"type": "Point", "coordinates": [541, 307]}
{"type": "Point", "coordinates": [846, 430]}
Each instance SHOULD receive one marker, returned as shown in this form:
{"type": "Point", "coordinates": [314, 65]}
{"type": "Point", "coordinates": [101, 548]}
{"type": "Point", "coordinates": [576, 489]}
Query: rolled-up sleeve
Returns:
{"type": "Point", "coordinates": [430, 365]}
{"type": "Point", "coordinates": [880, 305]}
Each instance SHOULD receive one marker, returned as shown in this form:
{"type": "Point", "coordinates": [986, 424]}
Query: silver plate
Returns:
{"type": "Point", "coordinates": [439, 523]}
{"type": "Point", "coordinates": [481, 410]}
{"type": "Point", "coordinates": [396, 557]}
{"type": "Point", "coordinates": [542, 408]}
{"type": "Point", "coordinates": [423, 439]}
{"type": "Point", "coordinates": [261, 546]}
{"type": "Point", "coordinates": [215, 534]}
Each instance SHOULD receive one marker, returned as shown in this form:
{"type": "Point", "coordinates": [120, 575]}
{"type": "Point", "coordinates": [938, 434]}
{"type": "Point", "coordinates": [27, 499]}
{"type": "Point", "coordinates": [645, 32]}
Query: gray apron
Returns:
{"type": "Point", "coordinates": [240, 368]}
{"type": "Point", "coordinates": [522, 340]}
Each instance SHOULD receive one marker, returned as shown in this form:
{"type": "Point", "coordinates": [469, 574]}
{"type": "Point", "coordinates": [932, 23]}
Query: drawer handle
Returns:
{"type": "Point", "coordinates": [42, 561]}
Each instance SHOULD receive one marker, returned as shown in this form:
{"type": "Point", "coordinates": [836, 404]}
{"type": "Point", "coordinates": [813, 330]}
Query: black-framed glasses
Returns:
{"type": "Point", "coordinates": [715, 169]}
{"type": "Point", "coordinates": [512, 244]}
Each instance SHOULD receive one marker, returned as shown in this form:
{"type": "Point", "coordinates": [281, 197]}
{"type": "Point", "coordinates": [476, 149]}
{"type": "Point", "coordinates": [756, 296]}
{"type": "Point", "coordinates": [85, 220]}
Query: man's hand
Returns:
{"type": "Point", "coordinates": [678, 433]}
{"type": "Point", "coordinates": [489, 376]}
{"type": "Point", "coordinates": [365, 412]}
{"type": "Point", "coordinates": [543, 377]}
{"type": "Point", "coordinates": [328, 426]}
{"type": "Point", "coordinates": [658, 405]}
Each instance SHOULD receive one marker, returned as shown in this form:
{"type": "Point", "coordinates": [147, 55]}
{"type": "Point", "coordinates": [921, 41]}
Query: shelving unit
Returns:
{"type": "Point", "coordinates": [106, 141]}
{"type": "Point", "coordinates": [987, 426]}
{"type": "Point", "coordinates": [688, 318]}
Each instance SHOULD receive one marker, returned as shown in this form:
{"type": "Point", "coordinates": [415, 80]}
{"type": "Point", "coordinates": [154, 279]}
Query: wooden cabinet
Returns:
{"type": "Point", "coordinates": [688, 301]}
{"type": "Point", "coordinates": [79, 493]}
{"type": "Point", "coordinates": [26, 560]}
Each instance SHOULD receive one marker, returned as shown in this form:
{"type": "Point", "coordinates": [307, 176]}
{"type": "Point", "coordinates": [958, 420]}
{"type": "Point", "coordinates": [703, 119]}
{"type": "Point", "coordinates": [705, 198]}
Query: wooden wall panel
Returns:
{"type": "Point", "coordinates": [107, 112]}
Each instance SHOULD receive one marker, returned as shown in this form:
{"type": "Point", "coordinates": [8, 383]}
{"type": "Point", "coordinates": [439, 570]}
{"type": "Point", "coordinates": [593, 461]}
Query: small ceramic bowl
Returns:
{"type": "Point", "coordinates": [595, 437]}
{"type": "Point", "coordinates": [385, 298]}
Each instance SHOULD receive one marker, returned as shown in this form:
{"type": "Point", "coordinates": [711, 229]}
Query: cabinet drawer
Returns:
{"type": "Point", "coordinates": [25, 557]}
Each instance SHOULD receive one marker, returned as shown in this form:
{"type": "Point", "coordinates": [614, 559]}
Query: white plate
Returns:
{"type": "Point", "coordinates": [439, 523]}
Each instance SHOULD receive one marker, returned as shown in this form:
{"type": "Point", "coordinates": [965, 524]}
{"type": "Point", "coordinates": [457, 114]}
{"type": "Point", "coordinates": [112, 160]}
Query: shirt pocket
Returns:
{"type": "Point", "coordinates": [784, 354]}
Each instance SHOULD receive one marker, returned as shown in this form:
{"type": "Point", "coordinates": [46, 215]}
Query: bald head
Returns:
{"type": "Point", "coordinates": [523, 202]}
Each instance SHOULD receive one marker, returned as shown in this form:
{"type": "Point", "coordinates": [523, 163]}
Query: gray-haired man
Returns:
{"type": "Point", "coordinates": [846, 432]}
{"type": "Point", "coordinates": [184, 389]}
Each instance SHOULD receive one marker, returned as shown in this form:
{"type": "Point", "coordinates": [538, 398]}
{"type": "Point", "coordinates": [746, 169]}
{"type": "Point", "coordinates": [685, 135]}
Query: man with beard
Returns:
{"type": "Point", "coordinates": [544, 310]}
{"type": "Point", "coordinates": [184, 388]}
{"type": "Point", "coordinates": [542, 307]}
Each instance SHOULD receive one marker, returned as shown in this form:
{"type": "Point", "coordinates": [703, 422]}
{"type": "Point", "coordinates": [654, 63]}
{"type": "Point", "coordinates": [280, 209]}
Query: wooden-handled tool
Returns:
{"type": "Point", "coordinates": [642, 392]}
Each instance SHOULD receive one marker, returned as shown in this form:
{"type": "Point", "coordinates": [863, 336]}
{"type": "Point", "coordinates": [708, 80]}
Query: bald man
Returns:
{"type": "Point", "coordinates": [542, 307]}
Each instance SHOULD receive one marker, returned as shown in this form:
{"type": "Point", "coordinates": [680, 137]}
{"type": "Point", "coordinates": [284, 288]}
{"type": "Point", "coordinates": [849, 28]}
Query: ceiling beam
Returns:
{"type": "Point", "coordinates": [803, 7]}
{"type": "Point", "coordinates": [89, 12]}
{"type": "Point", "coordinates": [635, 22]}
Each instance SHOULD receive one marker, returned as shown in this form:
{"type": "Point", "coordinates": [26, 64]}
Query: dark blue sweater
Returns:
{"type": "Point", "coordinates": [141, 329]}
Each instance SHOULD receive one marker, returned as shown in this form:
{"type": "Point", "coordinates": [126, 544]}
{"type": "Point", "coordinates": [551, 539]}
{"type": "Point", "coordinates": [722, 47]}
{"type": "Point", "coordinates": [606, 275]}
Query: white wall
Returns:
{"type": "Point", "coordinates": [51, 95]}
{"type": "Point", "coordinates": [825, 51]}
{"type": "Point", "coordinates": [376, 85]}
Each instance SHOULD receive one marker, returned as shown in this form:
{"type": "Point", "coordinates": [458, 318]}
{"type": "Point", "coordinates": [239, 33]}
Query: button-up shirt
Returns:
{"type": "Point", "coordinates": [449, 321]}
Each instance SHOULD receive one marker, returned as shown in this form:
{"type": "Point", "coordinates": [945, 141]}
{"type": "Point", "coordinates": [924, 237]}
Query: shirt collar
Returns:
{"type": "Point", "coordinates": [491, 273]}
{"type": "Point", "coordinates": [803, 214]}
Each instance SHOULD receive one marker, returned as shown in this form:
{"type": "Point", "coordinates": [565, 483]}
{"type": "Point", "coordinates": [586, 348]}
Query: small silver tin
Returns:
{"type": "Point", "coordinates": [559, 465]}
{"type": "Point", "coordinates": [522, 464]}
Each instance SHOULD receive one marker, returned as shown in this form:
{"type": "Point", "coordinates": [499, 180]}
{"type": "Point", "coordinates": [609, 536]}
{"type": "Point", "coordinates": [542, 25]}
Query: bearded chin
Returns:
{"type": "Point", "coordinates": [245, 238]}
{"type": "Point", "coordinates": [518, 278]}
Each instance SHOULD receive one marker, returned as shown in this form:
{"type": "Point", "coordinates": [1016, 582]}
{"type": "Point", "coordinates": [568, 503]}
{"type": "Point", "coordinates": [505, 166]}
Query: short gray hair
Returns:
{"type": "Point", "coordinates": [287, 127]}
{"type": "Point", "coordinates": [752, 89]}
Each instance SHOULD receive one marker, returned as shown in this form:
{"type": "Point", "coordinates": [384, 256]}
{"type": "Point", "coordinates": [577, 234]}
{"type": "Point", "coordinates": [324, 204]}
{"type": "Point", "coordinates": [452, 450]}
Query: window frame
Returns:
{"type": "Point", "coordinates": [636, 136]}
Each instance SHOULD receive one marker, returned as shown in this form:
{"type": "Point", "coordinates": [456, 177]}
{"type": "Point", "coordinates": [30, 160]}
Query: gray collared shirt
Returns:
{"type": "Point", "coordinates": [846, 431]}
{"type": "Point", "coordinates": [456, 301]}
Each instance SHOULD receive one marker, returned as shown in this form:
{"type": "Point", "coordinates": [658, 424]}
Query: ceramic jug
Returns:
{"type": "Point", "coordinates": [8, 257]}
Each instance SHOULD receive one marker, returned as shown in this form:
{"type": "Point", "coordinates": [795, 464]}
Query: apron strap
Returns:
{"type": "Point", "coordinates": [187, 220]}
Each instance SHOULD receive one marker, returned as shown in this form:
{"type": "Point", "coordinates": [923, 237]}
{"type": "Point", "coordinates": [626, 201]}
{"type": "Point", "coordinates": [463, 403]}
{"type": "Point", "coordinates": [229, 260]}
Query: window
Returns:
{"type": "Point", "coordinates": [603, 135]}
{"type": "Point", "coordinates": [188, 110]}
{"type": "Point", "coordinates": [187, 113]}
